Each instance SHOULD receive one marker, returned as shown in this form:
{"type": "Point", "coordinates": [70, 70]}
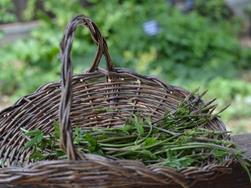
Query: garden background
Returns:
{"type": "Point", "coordinates": [204, 44]}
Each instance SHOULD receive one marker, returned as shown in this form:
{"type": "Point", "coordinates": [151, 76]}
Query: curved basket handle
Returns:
{"type": "Point", "coordinates": [66, 141]}
{"type": "Point", "coordinates": [66, 42]}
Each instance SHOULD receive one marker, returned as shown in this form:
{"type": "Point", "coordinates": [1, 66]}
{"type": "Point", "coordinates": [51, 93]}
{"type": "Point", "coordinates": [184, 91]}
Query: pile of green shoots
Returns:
{"type": "Point", "coordinates": [179, 140]}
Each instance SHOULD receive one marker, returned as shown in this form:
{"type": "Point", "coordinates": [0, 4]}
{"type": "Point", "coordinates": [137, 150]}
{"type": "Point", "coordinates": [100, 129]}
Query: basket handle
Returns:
{"type": "Point", "coordinates": [66, 43]}
{"type": "Point", "coordinates": [66, 141]}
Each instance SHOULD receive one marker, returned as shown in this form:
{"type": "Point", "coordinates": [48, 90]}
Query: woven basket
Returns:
{"type": "Point", "coordinates": [77, 101]}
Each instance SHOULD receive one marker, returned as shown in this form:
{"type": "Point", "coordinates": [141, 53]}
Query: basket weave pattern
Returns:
{"type": "Point", "coordinates": [77, 101]}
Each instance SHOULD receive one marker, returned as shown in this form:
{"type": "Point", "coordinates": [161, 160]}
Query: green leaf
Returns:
{"type": "Point", "coordinates": [33, 133]}
{"type": "Point", "coordinates": [56, 130]}
{"type": "Point", "coordinates": [36, 138]}
{"type": "Point", "coordinates": [139, 123]}
{"type": "Point", "coordinates": [92, 142]}
{"type": "Point", "coordinates": [150, 141]}
{"type": "Point", "coordinates": [220, 153]}
{"type": "Point", "coordinates": [37, 156]}
{"type": "Point", "coordinates": [127, 128]}
{"type": "Point", "coordinates": [78, 135]}
{"type": "Point", "coordinates": [60, 153]}
{"type": "Point", "coordinates": [179, 162]}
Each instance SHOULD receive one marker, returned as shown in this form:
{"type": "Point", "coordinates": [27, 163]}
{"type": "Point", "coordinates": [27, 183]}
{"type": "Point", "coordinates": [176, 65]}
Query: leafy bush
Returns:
{"type": "Point", "coordinates": [216, 10]}
{"type": "Point", "coordinates": [187, 48]}
{"type": "Point", "coordinates": [6, 11]}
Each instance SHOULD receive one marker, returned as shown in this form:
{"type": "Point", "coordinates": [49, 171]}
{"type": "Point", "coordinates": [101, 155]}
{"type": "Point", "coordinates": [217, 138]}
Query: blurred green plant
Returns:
{"type": "Point", "coordinates": [200, 47]}
{"type": "Point", "coordinates": [6, 11]}
{"type": "Point", "coordinates": [217, 10]}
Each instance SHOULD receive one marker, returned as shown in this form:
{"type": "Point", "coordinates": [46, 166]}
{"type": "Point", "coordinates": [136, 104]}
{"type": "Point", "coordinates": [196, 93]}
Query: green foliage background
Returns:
{"type": "Point", "coordinates": [196, 49]}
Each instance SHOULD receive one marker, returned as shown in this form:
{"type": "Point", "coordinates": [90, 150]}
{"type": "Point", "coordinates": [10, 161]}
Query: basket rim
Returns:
{"type": "Point", "coordinates": [185, 177]}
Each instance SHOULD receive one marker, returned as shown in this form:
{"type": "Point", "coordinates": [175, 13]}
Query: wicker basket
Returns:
{"type": "Point", "coordinates": [76, 102]}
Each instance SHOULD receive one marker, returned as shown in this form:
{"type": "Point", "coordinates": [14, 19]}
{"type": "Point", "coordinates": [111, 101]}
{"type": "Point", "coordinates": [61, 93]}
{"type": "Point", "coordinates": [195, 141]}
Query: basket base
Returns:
{"type": "Point", "coordinates": [237, 179]}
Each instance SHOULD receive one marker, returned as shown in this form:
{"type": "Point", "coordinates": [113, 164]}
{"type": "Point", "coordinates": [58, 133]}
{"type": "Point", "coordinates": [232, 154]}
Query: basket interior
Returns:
{"type": "Point", "coordinates": [99, 100]}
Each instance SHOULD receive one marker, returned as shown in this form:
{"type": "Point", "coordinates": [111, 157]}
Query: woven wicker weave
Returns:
{"type": "Point", "coordinates": [77, 101]}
